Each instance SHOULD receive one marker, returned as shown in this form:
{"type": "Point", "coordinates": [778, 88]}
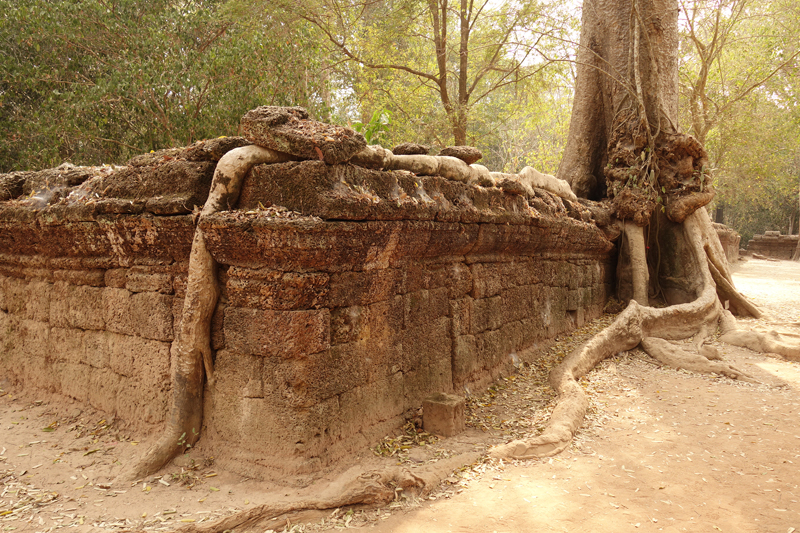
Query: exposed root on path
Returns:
{"type": "Point", "coordinates": [193, 344]}
{"type": "Point", "coordinates": [769, 342]}
{"type": "Point", "coordinates": [676, 357]}
{"type": "Point", "coordinates": [371, 488]}
{"type": "Point", "coordinates": [647, 327]}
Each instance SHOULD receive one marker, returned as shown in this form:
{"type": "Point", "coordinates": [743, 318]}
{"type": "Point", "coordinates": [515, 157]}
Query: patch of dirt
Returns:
{"type": "Point", "coordinates": [661, 450]}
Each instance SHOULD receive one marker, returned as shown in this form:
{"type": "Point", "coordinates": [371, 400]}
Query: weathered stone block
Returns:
{"type": "Point", "coordinates": [137, 401]}
{"type": "Point", "coordinates": [3, 292]}
{"type": "Point", "coordinates": [96, 351]}
{"type": "Point", "coordinates": [67, 345]}
{"type": "Point", "coordinates": [440, 370]}
{"type": "Point", "coordinates": [116, 277]}
{"type": "Point", "coordinates": [236, 372]}
{"type": "Point", "coordinates": [117, 311]}
{"type": "Point", "coordinates": [103, 390]}
{"type": "Point", "coordinates": [60, 307]}
{"type": "Point", "coordinates": [361, 288]}
{"type": "Point", "coordinates": [460, 316]}
{"type": "Point", "coordinates": [490, 348]}
{"type": "Point", "coordinates": [74, 380]}
{"type": "Point", "coordinates": [511, 338]}
{"type": "Point", "coordinates": [92, 278]}
{"type": "Point", "coordinates": [35, 338]}
{"type": "Point", "coordinates": [275, 290]}
{"type": "Point", "coordinates": [277, 333]}
{"type": "Point", "coordinates": [144, 360]}
{"type": "Point", "coordinates": [348, 324]}
{"type": "Point", "coordinates": [16, 296]}
{"type": "Point", "coordinates": [38, 301]}
{"type": "Point", "coordinates": [421, 307]}
{"type": "Point", "coordinates": [487, 280]}
{"type": "Point", "coordinates": [138, 280]}
{"type": "Point", "coordinates": [443, 414]}
{"type": "Point", "coordinates": [518, 303]}
{"type": "Point", "coordinates": [367, 405]}
{"type": "Point", "coordinates": [425, 342]}
{"type": "Point", "coordinates": [573, 299]}
{"type": "Point", "coordinates": [487, 314]}
{"type": "Point", "coordinates": [288, 130]}
{"type": "Point", "coordinates": [77, 306]}
{"type": "Point", "coordinates": [36, 371]}
{"type": "Point", "coordinates": [217, 326]}
{"type": "Point", "coordinates": [309, 380]}
{"type": "Point", "coordinates": [151, 315]}
{"type": "Point", "coordinates": [465, 358]}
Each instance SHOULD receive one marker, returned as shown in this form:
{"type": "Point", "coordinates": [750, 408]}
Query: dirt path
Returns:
{"type": "Point", "coordinates": [668, 451]}
{"type": "Point", "coordinates": [662, 451]}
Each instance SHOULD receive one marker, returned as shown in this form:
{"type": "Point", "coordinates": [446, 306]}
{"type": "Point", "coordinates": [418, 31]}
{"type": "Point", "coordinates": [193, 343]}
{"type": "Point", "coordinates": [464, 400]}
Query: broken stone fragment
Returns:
{"type": "Point", "coordinates": [213, 149]}
{"type": "Point", "coordinates": [288, 130]}
{"type": "Point", "coordinates": [467, 154]}
{"type": "Point", "coordinates": [269, 115]}
{"type": "Point", "coordinates": [443, 414]}
{"type": "Point", "coordinates": [511, 186]}
{"type": "Point", "coordinates": [11, 185]}
{"type": "Point", "coordinates": [411, 149]}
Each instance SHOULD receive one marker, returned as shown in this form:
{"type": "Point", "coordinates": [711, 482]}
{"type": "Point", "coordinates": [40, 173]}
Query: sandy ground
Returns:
{"type": "Point", "coordinates": [662, 450]}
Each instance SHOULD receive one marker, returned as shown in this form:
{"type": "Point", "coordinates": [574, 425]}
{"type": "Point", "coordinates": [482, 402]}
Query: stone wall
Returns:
{"type": "Point", "coordinates": [348, 295]}
{"type": "Point", "coordinates": [773, 244]}
{"type": "Point", "coordinates": [730, 241]}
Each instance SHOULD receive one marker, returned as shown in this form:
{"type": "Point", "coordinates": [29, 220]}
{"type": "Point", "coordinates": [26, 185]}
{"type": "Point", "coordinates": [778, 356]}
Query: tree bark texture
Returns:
{"type": "Point", "coordinates": [606, 84]}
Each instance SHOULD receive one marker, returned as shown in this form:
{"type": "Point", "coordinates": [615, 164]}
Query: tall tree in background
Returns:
{"type": "Point", "coordinates": [462, 53]}
{"type": "Point", "coordinates": [739, 79]}
{"type": "Point", "coordinates": [730, 49]}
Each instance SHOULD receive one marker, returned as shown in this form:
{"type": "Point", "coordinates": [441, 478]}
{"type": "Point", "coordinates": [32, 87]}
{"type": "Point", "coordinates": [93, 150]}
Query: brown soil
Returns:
{"type": "Point", "coordinates": [661, 451]}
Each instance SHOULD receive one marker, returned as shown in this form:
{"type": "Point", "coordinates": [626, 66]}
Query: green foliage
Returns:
{"type": "Point", "coordinates": [440, 68]}
{"type": "Point", "coordinates": [759, 184]}
{"type": "Point", "coordinates": [739, 88]}
{"type": "Point", "coordinates": [375, 130]}
{"type": "Point", "coordinates": [95, 82]}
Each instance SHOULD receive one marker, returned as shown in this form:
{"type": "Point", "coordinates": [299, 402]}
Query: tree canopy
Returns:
{"type": "Point", "coordinates": [95, 82]}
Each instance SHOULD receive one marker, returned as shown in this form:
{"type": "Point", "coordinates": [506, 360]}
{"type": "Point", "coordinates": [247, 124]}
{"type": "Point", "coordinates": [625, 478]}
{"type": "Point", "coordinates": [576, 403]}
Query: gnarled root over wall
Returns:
{"type": "Point", "coordinates": [193, 346]}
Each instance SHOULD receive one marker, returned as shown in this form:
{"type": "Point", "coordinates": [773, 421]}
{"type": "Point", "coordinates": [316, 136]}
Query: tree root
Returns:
{"type": "Point", "coordinates": [634, 237]}
{"type": "Point", "coordinates": [455, 169]}
{"type": "Point", "coordinates": [727, 293]}
{"type": "Point", "coordinates": [636, 325]}
{"type": "Point", "coordinates": [676, 357]}
{"type": "Point", "coordinates": [770, 342]}
{"type": "Point", "coordinates": [352, 488]}
{"type": "Point", "coordinates": [193, 341]}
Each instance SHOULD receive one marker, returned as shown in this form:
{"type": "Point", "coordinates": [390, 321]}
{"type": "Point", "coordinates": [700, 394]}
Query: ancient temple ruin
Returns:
{"type": "Point", "coordinates": [348, 294]}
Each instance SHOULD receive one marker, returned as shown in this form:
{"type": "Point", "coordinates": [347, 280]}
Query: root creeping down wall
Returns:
{"type": "Point", "coordinates": [347, 296]}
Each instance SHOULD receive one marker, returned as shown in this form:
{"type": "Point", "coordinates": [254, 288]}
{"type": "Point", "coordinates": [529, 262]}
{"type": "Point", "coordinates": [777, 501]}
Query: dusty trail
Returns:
{"type": "Point", "coordinates": [661, 451]}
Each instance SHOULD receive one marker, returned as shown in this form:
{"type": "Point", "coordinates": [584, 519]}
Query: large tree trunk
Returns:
{"type": "Point", "coordinates": [624, 145]}
{"type": "Point", "coordinates": [606, 81]}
